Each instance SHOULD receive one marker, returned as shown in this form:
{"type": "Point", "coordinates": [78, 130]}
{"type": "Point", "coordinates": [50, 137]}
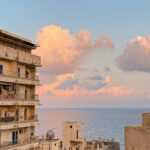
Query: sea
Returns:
{"type": "Point", "coordinates": [106, 123]}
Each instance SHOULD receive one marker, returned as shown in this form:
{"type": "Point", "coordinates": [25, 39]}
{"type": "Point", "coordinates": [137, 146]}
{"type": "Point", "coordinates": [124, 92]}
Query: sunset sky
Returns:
{"type": "Point", "coordinates": [95, 53]}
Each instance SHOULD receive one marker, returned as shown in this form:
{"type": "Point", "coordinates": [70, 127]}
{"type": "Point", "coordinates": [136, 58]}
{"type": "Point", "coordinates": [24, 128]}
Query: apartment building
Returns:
{"type": "Point", "coordinates": [18, 100]}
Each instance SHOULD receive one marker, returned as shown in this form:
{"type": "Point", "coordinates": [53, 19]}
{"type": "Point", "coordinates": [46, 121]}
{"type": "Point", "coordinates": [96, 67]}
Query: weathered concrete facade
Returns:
{"type": "Point", "coordinates": [73, 139]}
{"type": "Point", "coordinates": [54, 144]}
{"type": "Point", "coordinates": [138, 137]}
{"type": "Point", "coordinates": [17, 93]}
{"type": "Point", "coordinates": [72, 135]}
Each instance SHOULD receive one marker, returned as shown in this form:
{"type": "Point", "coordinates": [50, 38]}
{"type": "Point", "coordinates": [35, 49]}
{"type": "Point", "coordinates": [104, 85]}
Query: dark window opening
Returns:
{"type": "Point", "coordinates": [70, 126]}
{"type": "Point", "coordinates": [26, 93]}
{"type": "Point", "coordinates": [0, 90]}
{"type": "Point", "coordinates": [15, 137]}
{"type": "Point", "coordinates": [25, 114]}
{"type": "Point", "coordinates": [17, 114]}
{"type": "Point", "coordinates": [77, 134]}
{"type": "Point", "coordinates": [27, 74]}
{"type": "Point", "coordinates": [18, 72]}
{"type": "Point", "coordinates": [21, 131]}
{"type": "Point", "coordinates": [1, 69]}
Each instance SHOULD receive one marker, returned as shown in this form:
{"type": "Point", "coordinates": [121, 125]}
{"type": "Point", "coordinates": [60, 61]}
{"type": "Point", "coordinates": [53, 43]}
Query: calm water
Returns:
{"type": "Point", "coordinates": [106, 123]}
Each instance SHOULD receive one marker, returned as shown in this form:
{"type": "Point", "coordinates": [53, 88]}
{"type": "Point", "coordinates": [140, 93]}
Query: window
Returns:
{"type": "Point", "coordinates": [21, 131]}
{"type": "Point", "coordinates": [15, 137]}
{"type": "Point", "coordinates": [17, 114]}
{"type": "Point", "coordinates": [77, 134]}
{"type": "Point", "coordinates": [25, 114]}
{"type": "Point", "coordinates": [27, 74]}
{"type": "Point", "coordinates": [0, 90]}
{"type": "Point", "coordinates": [1, 69]}
{"type": "Point", "coordinates": [26, 93]}
{"type": "Point", "coordinates": [32, 134]}
{"type": "Point", "coordinates": [70, 126]}
{"type": "Point", "coordinates": [18, 72]}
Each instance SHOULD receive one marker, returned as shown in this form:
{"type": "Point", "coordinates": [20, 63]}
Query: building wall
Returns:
{"type": "Point", "coordinates": [14, 88]}
{"type": "Point", "coordinates": [72, 132]}
{"type": "Point", "coordinates": [138, 137]}
{"type": "Point", "coordinates": [23, 135]}
{"type": "Point", "coordinates": [50, 145]}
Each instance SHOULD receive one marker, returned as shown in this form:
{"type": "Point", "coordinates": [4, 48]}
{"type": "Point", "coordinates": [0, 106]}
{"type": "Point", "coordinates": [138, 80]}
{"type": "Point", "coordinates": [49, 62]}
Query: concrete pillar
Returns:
{"type": "Point", "coordinates": [98, 146]}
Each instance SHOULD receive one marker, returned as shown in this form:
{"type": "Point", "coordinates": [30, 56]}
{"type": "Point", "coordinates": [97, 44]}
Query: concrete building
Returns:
{"type": "Point", "coordinates": [73, 139]}
{"type": "Point", "coordinates": [73, 135]}
{"type": "Point", "coordinates": [53, 144]}
{"type": "Point", "coordinates": [17, 93]}
{"type": "Point", "coordinates": [138, 137]}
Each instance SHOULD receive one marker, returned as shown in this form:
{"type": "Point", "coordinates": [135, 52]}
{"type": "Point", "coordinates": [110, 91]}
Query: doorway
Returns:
{"type": "Point", "coordinates": [15, 137]}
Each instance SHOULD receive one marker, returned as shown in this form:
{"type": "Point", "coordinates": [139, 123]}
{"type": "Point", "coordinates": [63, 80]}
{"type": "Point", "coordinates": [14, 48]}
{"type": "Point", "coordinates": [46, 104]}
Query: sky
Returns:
{"type": "Point", "coordinates": [94, 53]}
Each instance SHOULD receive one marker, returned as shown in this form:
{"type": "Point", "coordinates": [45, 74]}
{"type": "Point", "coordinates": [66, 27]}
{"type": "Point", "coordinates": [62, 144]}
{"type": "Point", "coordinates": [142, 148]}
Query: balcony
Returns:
{"type": "Point", "coordinates": [28, 58]}
{"type": "Point", "coordinates": [11, 77]}
{"type": "Point", "coordinates": [21, 100]}
{"type": "Point", "coordinates": [21, 144]}
{"type": "Point", "coordinates": [22, 57]}
{"type": "Point", "coordinates": [14, 122]}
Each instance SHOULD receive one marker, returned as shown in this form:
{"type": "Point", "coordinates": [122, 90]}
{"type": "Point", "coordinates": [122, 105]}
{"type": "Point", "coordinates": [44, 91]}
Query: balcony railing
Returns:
{"type": "Point", "coordinates": [18, 119]}
{"type": "Point", "coordinates": [20, 75]}
{"type": "Point", "coordinates": [19, 97]}
{"type": "Point", "coordinates": [19, 142]}
{"type": "Point", "coordinates": [23, 57]}
{"type": "Point", "coordinates": [28, 58]}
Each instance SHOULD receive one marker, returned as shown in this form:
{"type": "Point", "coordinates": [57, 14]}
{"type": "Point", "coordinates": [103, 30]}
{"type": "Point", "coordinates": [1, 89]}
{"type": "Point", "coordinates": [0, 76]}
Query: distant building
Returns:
{"type": "Point", "coordinates": [73, 139]}
{"type": "Point", "coordinates": [73, 136]}
{"type": "Point", "coordinates": [138, 137]}
{"type": "Point", "coordinates": [17, 93]}
{"type": "Point", "coordinates": [53, 144]}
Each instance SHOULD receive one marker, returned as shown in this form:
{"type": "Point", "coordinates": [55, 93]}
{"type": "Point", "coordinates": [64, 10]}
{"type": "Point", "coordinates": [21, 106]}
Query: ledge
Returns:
{"type": "Point", "coordinates": [18, 124]}
{"type": "Point", "coordinates": [22, 146]}
{"type": "Point", "coordinates": [11, 79]}
{"type": "Point", "coordinates": [18, 102]}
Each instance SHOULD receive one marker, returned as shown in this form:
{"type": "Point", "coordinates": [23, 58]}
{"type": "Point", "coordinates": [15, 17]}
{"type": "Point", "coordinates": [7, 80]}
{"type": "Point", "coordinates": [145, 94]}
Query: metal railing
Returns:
{"type": "Point", "coordinates": [19, 142]}
{"type": "Point", "coordinates": [18, 75]}
{"type": "Point", "coordinates": [19, 97]}
{"type": "Point", "coordinates": [18, 119]}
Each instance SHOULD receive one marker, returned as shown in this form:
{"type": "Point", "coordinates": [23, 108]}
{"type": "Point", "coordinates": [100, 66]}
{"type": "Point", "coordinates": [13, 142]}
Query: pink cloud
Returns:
{"type": "Point", "coordinates": [80, 90]}
{"type": "Point", "coordinates": [136, 57]}
{"type": "Point", "coordinates": [63, 53]}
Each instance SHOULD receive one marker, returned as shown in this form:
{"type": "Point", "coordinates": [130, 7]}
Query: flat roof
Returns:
{"type": "Point", "coordinates": [10, 37]}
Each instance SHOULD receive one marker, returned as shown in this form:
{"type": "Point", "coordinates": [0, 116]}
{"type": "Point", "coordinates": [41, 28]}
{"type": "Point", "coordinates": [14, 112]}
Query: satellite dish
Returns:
{"type": "Point", "coordinates": [50, 135]}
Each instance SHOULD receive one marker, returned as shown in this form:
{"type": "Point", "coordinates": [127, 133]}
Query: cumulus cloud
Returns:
{"type": "Point", "coordinates": [63, 53]}
{"type": "Point", "coordinates": [136, 57]}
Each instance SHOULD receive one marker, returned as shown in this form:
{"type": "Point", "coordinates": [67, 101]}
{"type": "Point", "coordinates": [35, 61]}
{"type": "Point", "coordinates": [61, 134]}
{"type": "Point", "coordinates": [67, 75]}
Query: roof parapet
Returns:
{"type": "Point", "coordinates": [13, 39]}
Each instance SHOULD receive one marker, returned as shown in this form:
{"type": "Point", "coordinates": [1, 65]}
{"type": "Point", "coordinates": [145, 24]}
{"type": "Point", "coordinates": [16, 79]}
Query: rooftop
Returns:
{"type": "Point", "coordinates": [15, 39]}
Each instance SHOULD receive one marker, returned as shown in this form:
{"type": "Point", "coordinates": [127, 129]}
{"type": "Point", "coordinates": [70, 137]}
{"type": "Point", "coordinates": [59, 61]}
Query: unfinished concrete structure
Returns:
{"type": "Point", "coordinates": [138, 137]}
{"type": "Point", "coordinates": [17, 92]}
